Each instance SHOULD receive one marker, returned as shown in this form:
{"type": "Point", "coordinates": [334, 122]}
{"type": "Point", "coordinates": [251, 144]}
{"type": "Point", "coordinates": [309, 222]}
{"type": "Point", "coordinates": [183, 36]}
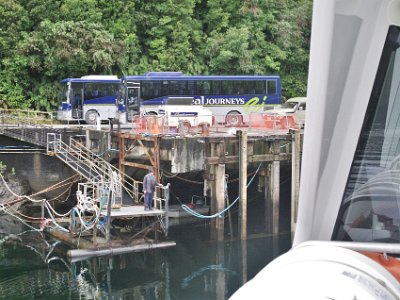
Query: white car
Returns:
{"type": "Point", "coordinates": [172, 114]}
{"type": "Point", "coordinates": [296, 106]}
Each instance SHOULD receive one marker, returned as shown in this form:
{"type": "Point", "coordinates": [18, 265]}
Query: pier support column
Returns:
{"type": "Point", "coordinates": [217, 173]}
{"type": "Point", "coordinates": [275, 178]}
{"type": "Point", "coordinates": [218, 202]}
{"type": "Point", "coordinates": [268, 199]}
{"type": "Point", "coordinates": [272, 190]}
{"type": "Point", "coordinates": [295, 177]}
{"type": "Point", "coordinates": [121, 154]}
{"type": "Point", "coordinates": [243, 253]}
{"type": "Point", "coordinates": [220, 282]}
{"type": "Point", "coordinates": [87, 139]}
{"type": "Point", "coordinates": [243, 184]}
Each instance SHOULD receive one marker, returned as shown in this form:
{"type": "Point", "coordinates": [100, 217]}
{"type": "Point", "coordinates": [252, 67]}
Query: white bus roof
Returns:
{"type": "Point", "coordinates": [100, 77]}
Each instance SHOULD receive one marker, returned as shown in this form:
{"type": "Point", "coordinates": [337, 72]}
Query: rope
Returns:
{"type": "Point", "coordinates": [218, 214]}
{"type": "Point", "coordinates": [175, 196]}
{"type": "Point", "coordinates": [84, 204]}
{"type": "Point", "coordinates": [18, 218]}
{"type": "Point", "coordinates": [188, 180]}
{"type": "Point", "coordinates": [16, 195]}
{"type": "Point", "coordinates": [170, 175]}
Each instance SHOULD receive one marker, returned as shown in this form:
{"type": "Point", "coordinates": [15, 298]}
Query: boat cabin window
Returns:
{"type": "Point", "coordinates": [370, 209]}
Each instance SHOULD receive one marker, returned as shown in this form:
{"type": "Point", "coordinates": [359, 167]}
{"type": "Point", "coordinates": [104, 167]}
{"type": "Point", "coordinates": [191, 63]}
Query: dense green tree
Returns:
{"type": "Point", "coordinates": [65, 47]}
{"type": "Point", "coordinates": [14, 20]}
{"type": "Point", "coordinates": [169, 33]}
{"type": "Point", "coordinates": [44, 41]}
{"type": "Point", "coordinates": [292, 36]}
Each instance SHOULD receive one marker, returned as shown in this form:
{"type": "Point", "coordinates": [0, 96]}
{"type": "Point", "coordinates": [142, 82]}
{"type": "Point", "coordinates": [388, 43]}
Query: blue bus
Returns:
{"type": "Point", "coordinates": [229, 96]}
{"type": "Point", "coordinates": [88, 98]}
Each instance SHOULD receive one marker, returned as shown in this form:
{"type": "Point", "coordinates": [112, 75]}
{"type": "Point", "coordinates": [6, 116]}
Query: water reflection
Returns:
{"type": "Point", "coordinates": [34, 266]}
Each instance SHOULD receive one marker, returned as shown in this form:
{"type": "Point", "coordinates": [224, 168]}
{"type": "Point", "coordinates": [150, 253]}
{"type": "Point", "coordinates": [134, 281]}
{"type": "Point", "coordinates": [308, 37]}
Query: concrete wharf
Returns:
{"type": "Point", "coordinates": [212, 151]}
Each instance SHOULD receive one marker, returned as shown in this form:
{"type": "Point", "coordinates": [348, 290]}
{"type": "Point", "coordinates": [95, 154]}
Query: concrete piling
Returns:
{"type": "Point", "coordinates": [243, 184]}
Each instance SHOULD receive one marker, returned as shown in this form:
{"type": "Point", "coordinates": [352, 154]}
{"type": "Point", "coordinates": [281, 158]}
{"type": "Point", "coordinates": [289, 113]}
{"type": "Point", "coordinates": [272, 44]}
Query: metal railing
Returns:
{"type": "Point", "coordinates": [254, 122]}
{"type": "Point", "coordinates": [91, 166]}
{"type": "Point", "coordinates": [26, 117]}
{"type": "Point", "coordinates": [25, 125]}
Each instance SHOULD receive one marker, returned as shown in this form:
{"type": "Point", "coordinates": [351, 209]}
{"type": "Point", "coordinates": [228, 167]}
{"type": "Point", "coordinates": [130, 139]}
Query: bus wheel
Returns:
{"type": "Point", "coordinates": [90, 117]}
{"type": "Point", "coordinates": [234, 119]}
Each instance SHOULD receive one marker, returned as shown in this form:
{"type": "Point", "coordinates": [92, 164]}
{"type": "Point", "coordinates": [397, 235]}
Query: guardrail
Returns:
{"type": "Point", "coordinates": [27, 117]}
{"type": "Point", "coordinates": [254, 122]}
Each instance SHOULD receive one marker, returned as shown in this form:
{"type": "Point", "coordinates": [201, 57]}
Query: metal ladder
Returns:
{"type": "Point", "coordinates": [92, 167]}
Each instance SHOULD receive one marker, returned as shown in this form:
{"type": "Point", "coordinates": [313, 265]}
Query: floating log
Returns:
{"type": "Point", "coordinates": [81, 254]}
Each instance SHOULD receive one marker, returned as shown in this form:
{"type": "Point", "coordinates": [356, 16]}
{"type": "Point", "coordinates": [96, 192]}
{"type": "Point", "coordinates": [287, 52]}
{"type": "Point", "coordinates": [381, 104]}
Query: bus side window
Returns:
{"type": "Point", "coordinates": [249, 87]}
{"type": "Point", "coordinates": [164, 88]}
{"type": "Point", "coordinates": [145, 90]}
{"type": "Point", "coordinates": [271, 87]}
{"type": "Point", "coordinates": [260, 87]}
{"type": "Point", "coordinates": [173, 87]}
{"type": "Point", "coordinates": [236, 87]}
{"type": "Point", "coordinates": [156, 89]}
{"type": "Point", "coordinates": [227, 87]}
{"type": "Point", "coordinates": [190, 87]}
{"type": "Point", "coordinates": [216, 87]}
{"type": "Point", "coordinates": [182, 87]}
{"type": "Point", "coordinates": [203, 87]}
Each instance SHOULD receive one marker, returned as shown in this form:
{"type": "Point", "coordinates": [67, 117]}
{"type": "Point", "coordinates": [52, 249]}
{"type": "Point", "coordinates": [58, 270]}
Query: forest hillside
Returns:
{"type": "Point", "coordinates": [44, 41]}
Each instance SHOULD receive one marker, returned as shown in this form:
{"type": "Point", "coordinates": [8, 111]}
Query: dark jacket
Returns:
{"type": "Point", "coordinates": [149, 183]}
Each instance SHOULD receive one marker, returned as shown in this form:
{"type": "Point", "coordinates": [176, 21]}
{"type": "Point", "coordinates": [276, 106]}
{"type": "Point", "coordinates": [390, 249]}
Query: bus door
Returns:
{"type": "Point", "coordinates": [76, 96]}
{"type": "Point", "coordinates": [133, 100]}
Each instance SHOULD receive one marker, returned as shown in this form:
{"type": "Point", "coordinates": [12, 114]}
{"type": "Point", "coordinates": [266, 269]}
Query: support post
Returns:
{"type": "Point", "coordinates": [109, 142]}
{"type": "Point", "coordinates": [295, 177]}
{"type": "Point", "coordinates": [220, 200]}
{"type": "Point", "coordinates": [87, 138]}
{"type": "Point", "coordinates": [268, 199]}
{"type": "Point", "coordinates": [220, 282]}
{"type": "Point", "coordinates": [166, 207]}
{"type": "Point", "coordinates": [108, 224]}
{"type": "Point", "coordinates": [243, 184]}
{"type": "Point", "coordinates": [243, 248]}
{"type": "Point", "coordinates": [72, 225]}
{"type": "Point", "coordinates": [275, 188]}
{"type": "Point", "coordinates": [217, 188]}
{"type": "Point", "coordinates": [121, 155]}
{"type": "Point", "coordinates": [42, 209]}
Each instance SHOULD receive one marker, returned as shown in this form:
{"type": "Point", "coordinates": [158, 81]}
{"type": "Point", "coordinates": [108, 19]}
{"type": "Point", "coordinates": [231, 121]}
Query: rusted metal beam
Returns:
{"type": "Point", "coordinates": [252, 158]}
{"type": "Point", "coordinates": [151, 159]}
{"type": "Point", "coordinates": [136, 165]}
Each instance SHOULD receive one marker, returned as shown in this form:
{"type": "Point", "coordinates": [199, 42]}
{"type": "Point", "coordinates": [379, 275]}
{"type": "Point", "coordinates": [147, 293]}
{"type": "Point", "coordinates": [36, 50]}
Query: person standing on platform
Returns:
{"type": "Point", "coordinates": [149, 186]}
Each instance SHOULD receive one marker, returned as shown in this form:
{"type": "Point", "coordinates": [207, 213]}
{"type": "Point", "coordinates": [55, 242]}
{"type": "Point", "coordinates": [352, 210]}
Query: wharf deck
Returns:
{"type": "Point", "coordinates": [216, 152]}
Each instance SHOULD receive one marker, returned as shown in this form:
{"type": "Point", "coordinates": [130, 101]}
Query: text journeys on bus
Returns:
{"type": "Point", "coordinates": [252, 105]}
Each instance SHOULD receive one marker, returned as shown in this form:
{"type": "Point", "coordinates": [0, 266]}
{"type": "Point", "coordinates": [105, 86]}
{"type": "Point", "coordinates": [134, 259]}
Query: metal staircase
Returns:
{"type": "Point", "coordinates": [93, 168]}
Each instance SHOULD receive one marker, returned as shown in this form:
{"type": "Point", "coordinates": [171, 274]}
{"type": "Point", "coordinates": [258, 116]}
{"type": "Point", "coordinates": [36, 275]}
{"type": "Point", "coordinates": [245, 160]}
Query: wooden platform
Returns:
{"type": "Point", "coordinates": [132, 211]}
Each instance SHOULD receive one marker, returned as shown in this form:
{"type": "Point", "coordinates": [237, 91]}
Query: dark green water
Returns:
{"type": "Point", "coordinates": [35, 267]}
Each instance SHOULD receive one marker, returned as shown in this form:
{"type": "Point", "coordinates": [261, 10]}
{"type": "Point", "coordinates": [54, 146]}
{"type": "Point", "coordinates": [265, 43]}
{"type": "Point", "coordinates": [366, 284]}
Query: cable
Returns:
{"type": "Point", "coordinates": [18, 218]}
{"type": "Point", "coordinates": [218, 214]}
